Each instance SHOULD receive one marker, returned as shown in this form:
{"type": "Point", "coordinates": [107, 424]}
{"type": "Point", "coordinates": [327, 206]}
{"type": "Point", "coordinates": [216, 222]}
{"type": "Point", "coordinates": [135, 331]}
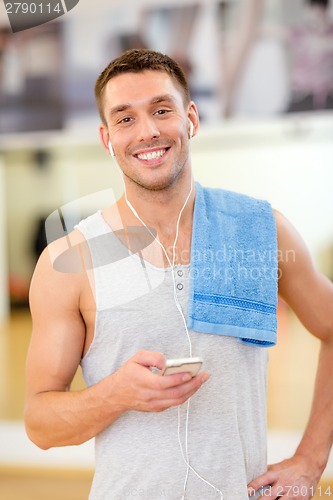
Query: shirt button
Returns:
{"type": "Point", "coordinates": [180, 273]}
{"type": "Point", "coordinates": [180, 286]}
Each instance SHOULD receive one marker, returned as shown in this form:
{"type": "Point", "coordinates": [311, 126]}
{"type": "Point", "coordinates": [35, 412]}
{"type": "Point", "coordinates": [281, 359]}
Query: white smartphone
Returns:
{"type": "Point", "coordinates": [186, 365]}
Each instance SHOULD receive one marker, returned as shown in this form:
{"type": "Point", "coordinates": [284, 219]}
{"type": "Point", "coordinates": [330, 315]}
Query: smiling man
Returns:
{"type": "Point", "coordinates": [182, 295]}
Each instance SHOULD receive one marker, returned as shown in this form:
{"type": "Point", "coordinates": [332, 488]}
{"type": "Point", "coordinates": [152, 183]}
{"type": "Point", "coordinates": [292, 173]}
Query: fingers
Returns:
{"type": "Point", "coordinates": [274, 494]}
{"type": "Point", "coordinates": [137, 388]}
{"type": "Point", "coordinates": [262, 483]}
{"type": "Point", "coordinates": [290, 478]}
{"type": "Point", "coordinates": [149, 359]}
{"type": "Point", "coordinates": [162, 392]}
{"type": "Point", "coordinates": [180, 391]}
{"type": "Point", "coordinates": [170, 381]}
{"type": "Point", "coordinates": [268, 478]}
{"type": "Point", "coordinates": [157, 359]}
{"type": "Point", "coordinates": [268, 492]}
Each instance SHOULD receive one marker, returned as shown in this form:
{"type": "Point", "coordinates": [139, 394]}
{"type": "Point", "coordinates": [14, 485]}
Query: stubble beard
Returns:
{"type": "Point", "coordinates": [161, 184]}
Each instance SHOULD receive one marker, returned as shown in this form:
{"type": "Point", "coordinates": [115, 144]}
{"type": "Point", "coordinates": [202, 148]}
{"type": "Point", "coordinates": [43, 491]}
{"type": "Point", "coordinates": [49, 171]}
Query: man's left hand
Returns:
{"type": "Point", "coordinates": [294, 478]}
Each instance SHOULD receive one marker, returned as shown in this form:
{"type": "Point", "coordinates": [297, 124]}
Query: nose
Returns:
{"type": "Point", "coordinates": [147, 129]}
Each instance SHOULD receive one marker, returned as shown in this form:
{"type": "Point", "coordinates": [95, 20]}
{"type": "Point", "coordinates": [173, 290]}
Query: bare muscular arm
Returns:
{"type": "Point", "coordinates": [55, 416]}
{"type": "Point", "coordinates": [310, 295]}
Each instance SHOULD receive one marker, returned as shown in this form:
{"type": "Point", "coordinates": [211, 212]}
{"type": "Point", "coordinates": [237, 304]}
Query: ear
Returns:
{"type": "Point", "coordinates": [191, 132]}
{"type": "Point", "coordinates": [104, 136]}
{"type": "Point", "coordinates": [193, 117]}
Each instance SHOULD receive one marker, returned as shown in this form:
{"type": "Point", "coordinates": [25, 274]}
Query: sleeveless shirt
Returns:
{"type": "Point", "coordinates": [139, 456]}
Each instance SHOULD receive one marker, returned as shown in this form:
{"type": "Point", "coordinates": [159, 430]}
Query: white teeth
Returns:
{"type": "Point", "coordinates": [152, 156]}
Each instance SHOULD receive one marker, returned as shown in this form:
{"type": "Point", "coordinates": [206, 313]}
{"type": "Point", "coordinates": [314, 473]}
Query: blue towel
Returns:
{"type": "Point", "coordinates": [233, 280]}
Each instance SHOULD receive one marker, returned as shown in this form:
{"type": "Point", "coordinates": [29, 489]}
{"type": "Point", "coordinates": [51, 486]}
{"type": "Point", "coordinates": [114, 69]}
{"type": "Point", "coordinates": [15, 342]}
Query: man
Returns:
{"type": "Point", "coordinates": [122, 317]}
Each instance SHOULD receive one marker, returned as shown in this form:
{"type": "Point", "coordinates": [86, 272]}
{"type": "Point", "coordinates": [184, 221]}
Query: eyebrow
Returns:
{"type": "Point", "coordinates": [163, 98]}
{"type": "Point", "coordinates": [155, 100]}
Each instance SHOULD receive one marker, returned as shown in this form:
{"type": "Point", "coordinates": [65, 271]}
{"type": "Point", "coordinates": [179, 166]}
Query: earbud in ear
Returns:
{"type": "Point", "coordinates": [191, 129]}
{"type": "Point", "coordinates": [111, 149]}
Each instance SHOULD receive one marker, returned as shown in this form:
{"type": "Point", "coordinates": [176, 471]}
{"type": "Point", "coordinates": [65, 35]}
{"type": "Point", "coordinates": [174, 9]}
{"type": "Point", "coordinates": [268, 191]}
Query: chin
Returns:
{"type": "Point", "coordinates": [158, 184]}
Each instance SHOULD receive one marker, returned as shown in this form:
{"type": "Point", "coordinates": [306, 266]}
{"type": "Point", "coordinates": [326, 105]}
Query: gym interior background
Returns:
{"type": "Point", "coordinates": [250, 141]}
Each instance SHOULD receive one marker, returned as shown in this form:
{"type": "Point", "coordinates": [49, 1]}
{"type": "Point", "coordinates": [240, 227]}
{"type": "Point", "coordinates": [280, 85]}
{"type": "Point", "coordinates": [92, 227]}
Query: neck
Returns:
{"type": "Point", "coordinates": [160, 209]}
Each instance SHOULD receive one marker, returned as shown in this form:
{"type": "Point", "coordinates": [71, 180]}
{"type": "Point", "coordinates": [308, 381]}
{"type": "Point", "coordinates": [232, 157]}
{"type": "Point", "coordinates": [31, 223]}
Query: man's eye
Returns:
{"type": "Point", "coordinates": [162, 111]}
{"type": "Point", "coordinates": [127, 119]}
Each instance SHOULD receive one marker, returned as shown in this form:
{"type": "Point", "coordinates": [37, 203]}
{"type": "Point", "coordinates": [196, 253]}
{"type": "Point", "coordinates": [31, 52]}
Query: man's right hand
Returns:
{"type": "Point", "coordinates": [136, 387]}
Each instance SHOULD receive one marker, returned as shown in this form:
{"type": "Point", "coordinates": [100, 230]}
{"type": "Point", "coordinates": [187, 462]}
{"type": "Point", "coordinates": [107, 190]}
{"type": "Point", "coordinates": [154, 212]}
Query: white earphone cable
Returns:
{"type": "Point", "coordinates": [185, 455]}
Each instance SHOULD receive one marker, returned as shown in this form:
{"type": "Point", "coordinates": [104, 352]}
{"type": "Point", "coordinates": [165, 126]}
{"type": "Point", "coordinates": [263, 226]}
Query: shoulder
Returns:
{"type": "Point", "coordinates": [296, 268]}
{"type": "Point", "coordinates": [60, 271]}
{"type": "Point", "coordinates": [63, 254]}
{"type": "Point", "coordinates": [235, 202]}
{"type": "Point", "coordinates": [291, 247]}
{"type": "Point", "coordinates": [288, 236]}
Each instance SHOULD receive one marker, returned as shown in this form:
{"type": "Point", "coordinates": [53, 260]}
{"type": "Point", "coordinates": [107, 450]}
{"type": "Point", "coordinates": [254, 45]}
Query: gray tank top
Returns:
{"type": "Point", "coordinates": [139, 456]}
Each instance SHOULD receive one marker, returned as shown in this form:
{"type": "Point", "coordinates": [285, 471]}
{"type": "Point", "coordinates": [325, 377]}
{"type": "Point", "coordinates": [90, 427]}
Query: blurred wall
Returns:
{"type": "Point", "coordinates": [3, 247]}
{"type": "Point", "coordinates": [36, 190]}
{"type": "Point", "coordinates": [287, 161]}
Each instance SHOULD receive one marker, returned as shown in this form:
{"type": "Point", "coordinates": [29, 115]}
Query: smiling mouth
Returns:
{"type": "Point", "coordinates": [154, 155]}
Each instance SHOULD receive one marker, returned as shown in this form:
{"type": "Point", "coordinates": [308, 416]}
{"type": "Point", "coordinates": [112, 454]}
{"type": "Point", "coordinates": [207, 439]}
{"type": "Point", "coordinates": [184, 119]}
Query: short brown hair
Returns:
{"type": "Point", "coordinates": [136, 61]}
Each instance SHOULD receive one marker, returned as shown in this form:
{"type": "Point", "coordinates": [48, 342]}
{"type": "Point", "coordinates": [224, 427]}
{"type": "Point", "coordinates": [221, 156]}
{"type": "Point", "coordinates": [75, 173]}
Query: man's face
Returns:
{"type": "Point", "coordinates": [148, 126]}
